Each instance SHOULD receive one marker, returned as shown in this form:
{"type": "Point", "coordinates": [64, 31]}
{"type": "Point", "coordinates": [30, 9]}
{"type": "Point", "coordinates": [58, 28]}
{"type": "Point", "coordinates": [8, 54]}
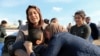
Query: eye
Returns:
{"type": "Point", "coordinates": [30, 13]}
{"type": "Point", "coordinates": [35, 12]}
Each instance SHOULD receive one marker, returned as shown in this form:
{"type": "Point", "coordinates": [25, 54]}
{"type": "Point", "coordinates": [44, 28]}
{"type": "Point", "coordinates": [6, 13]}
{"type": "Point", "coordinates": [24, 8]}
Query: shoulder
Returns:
{"type": "Point", "coordinates": [24, 29]}
{"type": "Point", "coordinates": [92, 24]}
{"type": "Point", "coordinates": [73, 26]}
{"type": "Point", "coordinates": [2, 28]}
{"type": "Point", "coordinates": [85, 26]}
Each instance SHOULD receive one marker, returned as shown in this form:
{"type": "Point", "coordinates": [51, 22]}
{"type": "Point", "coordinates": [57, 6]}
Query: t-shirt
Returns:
{"type": "Point", "coordinates": [83, 31]}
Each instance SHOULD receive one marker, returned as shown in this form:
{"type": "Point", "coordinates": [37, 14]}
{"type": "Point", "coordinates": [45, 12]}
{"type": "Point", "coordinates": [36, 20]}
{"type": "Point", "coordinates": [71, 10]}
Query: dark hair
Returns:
{"type": "Point", "coordinates": [46, 21]}
{"type": "Point", "coordinates": [53, 19]}
{"type": "Point", "coordinates": [38, 10]}
{"type": "Point", "coordinates": [34, 34]}
{"type": "Point", "coordinates": [87, 17]}
{"type": "Point", "coordinates": [3, 22]}
{"type": "Point", "coordinates": [81, 13]}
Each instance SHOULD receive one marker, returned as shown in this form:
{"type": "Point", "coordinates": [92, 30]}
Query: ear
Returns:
{"type": "Point", "coordinates": [38, 42]}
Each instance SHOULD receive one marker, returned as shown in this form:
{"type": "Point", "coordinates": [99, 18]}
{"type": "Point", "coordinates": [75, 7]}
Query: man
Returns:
{"type": "Point", "coordinates": [2, 33]}
{"type": "Point", "coordinates": [94, 29]}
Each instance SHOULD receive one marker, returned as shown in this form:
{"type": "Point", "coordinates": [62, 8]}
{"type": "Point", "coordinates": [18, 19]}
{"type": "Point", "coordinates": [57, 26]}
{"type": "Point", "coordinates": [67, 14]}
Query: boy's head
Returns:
{"type": "Point", "coordinates": [3, 23]}
{"type": "Point", "coordinates": [35, 36]}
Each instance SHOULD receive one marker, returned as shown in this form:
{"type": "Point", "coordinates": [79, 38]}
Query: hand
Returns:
{"type": "Point", "coordinates": [28, 46]}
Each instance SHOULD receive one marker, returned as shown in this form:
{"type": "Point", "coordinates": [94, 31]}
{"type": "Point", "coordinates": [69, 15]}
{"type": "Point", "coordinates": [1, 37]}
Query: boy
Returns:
{"type": "Point", "coordinates": [35, 37]}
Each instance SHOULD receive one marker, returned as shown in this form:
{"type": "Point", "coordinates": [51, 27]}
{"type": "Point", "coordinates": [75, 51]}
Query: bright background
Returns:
{"type": "Point", "coordinates": [13, 10]}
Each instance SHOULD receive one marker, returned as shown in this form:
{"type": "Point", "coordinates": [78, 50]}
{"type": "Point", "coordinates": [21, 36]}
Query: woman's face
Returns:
{"type": "Point", "coordinates": [33, 16]}
{"type": "Point", "coordinates": [78, 19]}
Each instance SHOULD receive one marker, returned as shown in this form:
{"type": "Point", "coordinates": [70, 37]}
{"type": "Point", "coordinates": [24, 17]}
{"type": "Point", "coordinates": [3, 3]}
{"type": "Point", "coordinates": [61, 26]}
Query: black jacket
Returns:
{"type": "Point", "coordinates": [94, 31]}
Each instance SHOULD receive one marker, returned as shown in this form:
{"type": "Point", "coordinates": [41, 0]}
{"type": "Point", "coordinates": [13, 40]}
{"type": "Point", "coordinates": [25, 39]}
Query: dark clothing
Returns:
{"type": "Point", "coordinates": [20, 45]}
{"type": "Point", "coordinates": [94, 31]}
{"type": "Point", "coordinates": [22, 36]}
{"type": "Point", "coordinates": [71, 45]}
{"type": "Point", "coordinates": [2, 33]}
{"type": "Point", "coordinates": [83, 31]}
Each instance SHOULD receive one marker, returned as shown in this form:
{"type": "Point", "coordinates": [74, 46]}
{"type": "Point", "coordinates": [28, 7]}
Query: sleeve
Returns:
{"type": "Point", "coordinates": [95, 31]}
{"type": "Point", "coordinates": [53, 47]}
{"type": "Point", "coordinates": [20, 37]}
{"type": "Point", "coordinates": [3, 32]}
{"type": "Point", "coordinates": [32, 54]}
{"type": "Point", "coordinates": [71, 29]}
{"type": "Point", "coordinates": [87, 31]}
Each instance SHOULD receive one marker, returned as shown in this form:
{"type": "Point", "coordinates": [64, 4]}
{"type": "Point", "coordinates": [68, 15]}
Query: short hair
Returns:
{"type": "Point", "coordinates": [53, 19]}
{"type": "Point", "coordinates": [3, 22]}
{"type": "Point", "coordinates": [46, 21]}
{"type": "Point", "coordinates": [88, 18]}
{"type": "Point", "coordinates": [81, 13]}
{"type": "Point", "coordinates": [34, 35]}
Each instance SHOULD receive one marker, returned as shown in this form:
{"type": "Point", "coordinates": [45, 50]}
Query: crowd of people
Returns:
{"type": "Point", "coordinates": [48, 38]}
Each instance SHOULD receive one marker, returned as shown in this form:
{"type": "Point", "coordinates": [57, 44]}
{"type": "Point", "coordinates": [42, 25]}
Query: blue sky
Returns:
{"type": "Point", "coordinates": [13, 10]}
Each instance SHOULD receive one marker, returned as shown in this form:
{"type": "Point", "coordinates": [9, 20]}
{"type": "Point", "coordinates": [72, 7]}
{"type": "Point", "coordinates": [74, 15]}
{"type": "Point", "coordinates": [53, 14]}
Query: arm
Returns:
{"type": "Point", "coordinates": [95, 31]}
{"type": "Point", "coordinates": [87, 32]}
{"type": "Point", "coordinates": [53, 47]}
{"type": "Point", "coordinates": [23, 31]}
{"type": "Point", "coordinates": [3, 32]}
{"type": "Point", "coordinates": [20, 37]}
{"type": "Point", "coordinates": [71, 29]}
{"type": "Point", "coordinates": [28, 46]}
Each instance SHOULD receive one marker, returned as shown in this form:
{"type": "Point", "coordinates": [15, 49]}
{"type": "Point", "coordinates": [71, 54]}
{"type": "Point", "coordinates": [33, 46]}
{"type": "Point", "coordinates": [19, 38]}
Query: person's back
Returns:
{"type": "Point", "coordinates": [71, 45]}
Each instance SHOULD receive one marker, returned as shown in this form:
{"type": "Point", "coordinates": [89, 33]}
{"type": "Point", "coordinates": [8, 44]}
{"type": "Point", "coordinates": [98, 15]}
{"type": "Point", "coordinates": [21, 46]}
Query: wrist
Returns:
{"type": "Point", "coordinates": [29, 52]}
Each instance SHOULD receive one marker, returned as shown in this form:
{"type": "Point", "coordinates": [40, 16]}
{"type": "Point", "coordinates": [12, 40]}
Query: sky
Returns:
{"type": "Point", "coordinates": [14, 10]}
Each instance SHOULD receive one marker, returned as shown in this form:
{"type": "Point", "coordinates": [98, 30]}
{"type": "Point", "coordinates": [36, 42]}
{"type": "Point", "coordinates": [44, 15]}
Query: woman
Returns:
{"type": "Point", "coordinates": [34, 19]}
{"type": "Point", "coordinates": [50, 30]}
{"type": "Point", "coordinates": [64, 44]}
{"type": "Point", "coordinates": [80, 29]}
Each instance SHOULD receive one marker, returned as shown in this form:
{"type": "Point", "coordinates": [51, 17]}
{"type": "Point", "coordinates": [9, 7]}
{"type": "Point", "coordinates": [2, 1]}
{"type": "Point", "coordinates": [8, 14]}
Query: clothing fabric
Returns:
{"type": "Point", "coordinates": [94, 31]}
{"type": "Point", "coordinates": [1, 48]}
{"type": "Point", "coordinates": [2, 33]}
{"type": "Point", "coordinates": [38, 49]}
{"type": "Point", "coordinates": [83, 31]}
{"type": "Point", "coordinates": [21, 37]}
{"type": "Point", "coordinates": [54, 28]}
{"type": "Point", "coordinates": [72, 46]}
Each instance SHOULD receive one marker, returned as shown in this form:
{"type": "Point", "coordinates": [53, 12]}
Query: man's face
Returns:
{"type": "Point", "coordinates": [87, 20]}
{"type": "Point", "coordinates": [4, 25]}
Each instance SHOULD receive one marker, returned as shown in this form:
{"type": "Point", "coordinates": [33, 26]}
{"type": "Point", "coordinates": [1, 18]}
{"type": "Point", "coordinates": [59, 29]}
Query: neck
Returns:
{"type": "Point", "coordinates": [80, 24]}
{"type": "Point", "coordinates": [35, 24]}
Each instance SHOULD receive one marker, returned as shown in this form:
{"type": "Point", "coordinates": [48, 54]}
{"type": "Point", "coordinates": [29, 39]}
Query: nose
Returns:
{"type": "Point", "coordinates": [33, 14]}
